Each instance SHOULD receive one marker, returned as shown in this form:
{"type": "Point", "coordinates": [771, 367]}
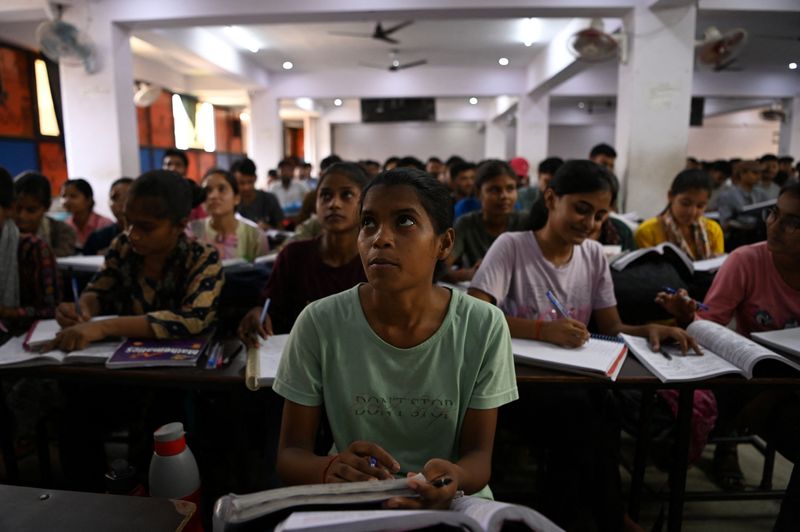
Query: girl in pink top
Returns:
{"type": "Point", "coordinates": [77, 198]}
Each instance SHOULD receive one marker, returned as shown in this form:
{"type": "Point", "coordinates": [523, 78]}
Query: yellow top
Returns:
{"type": "Point", "coordinates": [650, 233]}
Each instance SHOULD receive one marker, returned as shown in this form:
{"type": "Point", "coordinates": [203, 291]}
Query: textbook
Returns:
{"type": "Point", "coordinates": [672, 253]}
{"type": "Point", "coordinates": [44, 331]}
{"type": "Point", "coordinates": [140, 353]}
{"type": "Point", "coordinates": [262, 362]}
{"type": "Point", "coordinates": [601, 356]}
{"type": "Point", "coordinates": [14, 354]}
{"type": "Point", "coordinates": [724, 352]}
{"type": "Point", "coordinates": [784, 340]}
{"type": "Point", "coordinates": [471, 513]}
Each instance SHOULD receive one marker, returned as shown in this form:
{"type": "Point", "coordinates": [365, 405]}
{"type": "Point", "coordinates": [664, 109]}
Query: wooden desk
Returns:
{"type": "Point", "coordinates": [46, 509]}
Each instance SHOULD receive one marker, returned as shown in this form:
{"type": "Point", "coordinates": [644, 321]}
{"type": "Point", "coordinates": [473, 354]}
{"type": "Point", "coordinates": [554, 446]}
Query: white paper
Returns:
{"type": "Point", "coordinates": [679, 368]}
{"type": "Point", "coordinates": [787, 340]}
{"type": "Point", "coordinates": [710, 265]}
{"type": "Point", "coordinates": [13, 353]}
{"type": "Point", "coordinates": [81, 263]}
{"type": "Point", "coordinates": [595, 355]}
{"type": "Point", "coordinates": [46, 330]}
{"type": "Point", "coordinates": [490, 515]}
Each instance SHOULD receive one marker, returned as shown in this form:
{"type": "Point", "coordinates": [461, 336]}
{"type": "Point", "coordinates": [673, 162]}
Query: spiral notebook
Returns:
{"type": "Point", "coordinates": [601, 356]}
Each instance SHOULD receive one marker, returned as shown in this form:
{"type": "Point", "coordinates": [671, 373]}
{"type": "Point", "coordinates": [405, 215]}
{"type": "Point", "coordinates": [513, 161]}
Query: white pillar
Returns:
{"type": "Point", "coordinates": [494, 140]}
{"type": "Point", "coordinates": [265, 134]}
{"type": "Point", "coordinates": [790, 130]}
{"type": "Point", "coordinates": [653, 103]}
{"type": "Point", "coordinates": [532, 128]}
{"type": "Point", "coordinates": [100, 131]}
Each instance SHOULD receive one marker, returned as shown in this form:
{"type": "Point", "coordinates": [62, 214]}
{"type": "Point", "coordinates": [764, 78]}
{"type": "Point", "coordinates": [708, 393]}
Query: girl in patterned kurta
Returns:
{"type": "Point", "coordinates": [160, 283]}
{"type": "Point", "coordinates": [28, 280]}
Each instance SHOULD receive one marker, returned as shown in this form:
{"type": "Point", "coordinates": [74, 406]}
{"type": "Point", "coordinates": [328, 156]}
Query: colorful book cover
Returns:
{"type": "Point", "coordinates": [142, 353]}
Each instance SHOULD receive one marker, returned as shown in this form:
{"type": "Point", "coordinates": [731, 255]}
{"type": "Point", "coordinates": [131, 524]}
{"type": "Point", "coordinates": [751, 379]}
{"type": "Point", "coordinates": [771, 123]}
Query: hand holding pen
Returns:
{"type": "Point", "coordinates": [679, 304]}
{"type": "Point", "coordinates": [436, 493]}
{"type": "Point", "coordinates": [566, 331]}
{"type": "Point", "coordinates": [69, 314]}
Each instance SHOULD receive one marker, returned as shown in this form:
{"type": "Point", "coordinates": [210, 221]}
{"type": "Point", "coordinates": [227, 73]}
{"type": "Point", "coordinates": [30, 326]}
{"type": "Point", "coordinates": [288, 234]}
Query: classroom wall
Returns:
{"type": "Point", "coordinates": [738, 134]}
{"type": "Point", "coordinates": [575, 142]}
{"type": "Point", "coordinates": [420, 139]}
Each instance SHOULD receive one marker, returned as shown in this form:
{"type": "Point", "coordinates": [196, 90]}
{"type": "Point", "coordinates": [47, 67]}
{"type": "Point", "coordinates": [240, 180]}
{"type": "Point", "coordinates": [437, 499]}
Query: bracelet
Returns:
{"type": "Point", "coordinates": [327, 467]}
{"type": "Point", "coordinates": [537, 329]}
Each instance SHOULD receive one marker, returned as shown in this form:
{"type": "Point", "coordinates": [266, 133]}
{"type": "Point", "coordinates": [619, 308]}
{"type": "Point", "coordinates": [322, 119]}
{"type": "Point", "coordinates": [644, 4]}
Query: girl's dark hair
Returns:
{"type": "Point", "coordinates": [35, 185]}
{"type": "Point", "coordinates": [6, 189]}
{"type": "Point", "coordinates": [390, 160]}
{"type": "Point", "coordinates": [169, 194]}
{"type": "Point", "coordinates": [433, 195]}
{"type": "Point", "coordinates": [793, 189]}
{"type": "Point", "coordinates": [177, 153]}
{"type": "Point", "coordinates": [224, 173]}
{"type": "Point", "coordinates": [578, 176]}
{"type": "Point", "coordinates": [83, 187]}
{"type": "Point", "coordinates": [693, 179]}
{"type": "Point", "coordinates": [351, 171]}
{"type": "Point", "coordinates": [490, 169]}
{"type": "Point", "coordinates": [122, 181]}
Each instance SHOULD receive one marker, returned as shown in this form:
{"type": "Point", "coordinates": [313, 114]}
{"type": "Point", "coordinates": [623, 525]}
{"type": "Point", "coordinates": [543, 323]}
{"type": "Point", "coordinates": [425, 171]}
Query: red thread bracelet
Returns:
{"type": "Point", "coordinates": [327, 467]}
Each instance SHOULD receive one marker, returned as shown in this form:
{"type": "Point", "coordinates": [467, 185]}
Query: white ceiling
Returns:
{"type": "Point", "coordinates": [461, 43]}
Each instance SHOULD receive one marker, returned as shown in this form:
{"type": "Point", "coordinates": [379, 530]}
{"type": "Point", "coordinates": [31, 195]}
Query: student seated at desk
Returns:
{"type": "Point", "coordinates": [160, 283]}
{"type": "Point", "coordinates": [411, 374]}
{"type": "Point", "coordinates": [77, 197]}
{"type": "Point", "coordinates": [312, 269]}
{"type": "Point", "coordinates": [234, 236]}
{"type": "Point", "coordinates": [557, 256]}
{"type": "Point", "coordinates": [33, 199]}
{"type": "Point", "coordinates": [475, 231]}
{"type": "Point", "coordinates": [744, 192]}
{"type": "Point", "coordinates": [99, 241]}
{"type": "Point", "coordinates": [682, 221]}
{"type": "Point", "coordinates": [759, 286]}
{"type": "Point", "coordinates": [28, 272]}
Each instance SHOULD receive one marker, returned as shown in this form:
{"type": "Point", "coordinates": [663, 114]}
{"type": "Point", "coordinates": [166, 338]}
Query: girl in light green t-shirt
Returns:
{"type": "Point", "coordinates": [410, 373]}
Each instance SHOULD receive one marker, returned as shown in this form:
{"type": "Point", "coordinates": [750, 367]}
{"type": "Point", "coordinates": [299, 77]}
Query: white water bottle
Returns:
{"type": "Point", "coordinates": [173, 469]}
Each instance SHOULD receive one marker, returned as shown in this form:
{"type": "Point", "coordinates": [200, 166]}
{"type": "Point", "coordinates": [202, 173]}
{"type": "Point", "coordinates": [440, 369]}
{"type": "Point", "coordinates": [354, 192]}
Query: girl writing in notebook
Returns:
{"type": "Point", "coordinates": [159, 282]}
{"type": "Point", "coordinates": [682, 221]}
{"type": "Point", "coordinates": [558, 257]}
{"type": "Point", "coordinates": [312, 269]}
{"type": "Point", "coordinates": [234, 236]}
{"type": "Point", "coordinates": [759, 286]}
{"type": "Point", "coordinates": [410, 373]}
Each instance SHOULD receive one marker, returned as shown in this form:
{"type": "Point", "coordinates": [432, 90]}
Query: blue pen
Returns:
{"type": "Point", "coordinates": [373, 462]}
{"type": "Point", "coordinates": [264, 311]}
{"type": "Point", "coordinates": [672, 292]}
{"type": "Point", "coordinates": [75, 293]}
{"type": "Point", "coordinates": [557, 305]}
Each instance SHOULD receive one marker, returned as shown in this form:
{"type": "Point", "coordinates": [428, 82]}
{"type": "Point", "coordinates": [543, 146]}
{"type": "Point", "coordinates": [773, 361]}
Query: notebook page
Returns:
{"type": "Point", "coordinates": [81, 263]}
{"type": "Point", "coordinates": [269, 352]}
{"type": "Point", "coordinates": [710, 265]}
{"type": "Point", "coordinates": [596, 355]}
{"type": "Point", "coordinates": [44, 331]}
{"type": "Point", "coordinates": [13, 352]}
{"type": "Point", "coordinates": [787, 340]}
{"type": "Point", "coordinates": [679, 368]}
{"type": "Point", "coordinates": [490, 514]}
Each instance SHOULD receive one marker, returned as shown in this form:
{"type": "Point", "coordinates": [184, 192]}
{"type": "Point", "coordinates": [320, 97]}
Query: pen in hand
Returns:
{"type": "Point", "coordinates": [442, 482]}
{"type": "Point", "coordinates": [75, 294]}
{"type": "Point", "coordinates": [672, 292]}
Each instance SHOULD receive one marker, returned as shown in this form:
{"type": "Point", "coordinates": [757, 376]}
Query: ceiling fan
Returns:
{"type": "Point", "coordinates": [395, 63]}
{"type": "Point", "coordinates": [719, 50]}
{"type": "Point", "coordinates": [594, 44]}
{"type": "Point", "coordinates": [378, 33]}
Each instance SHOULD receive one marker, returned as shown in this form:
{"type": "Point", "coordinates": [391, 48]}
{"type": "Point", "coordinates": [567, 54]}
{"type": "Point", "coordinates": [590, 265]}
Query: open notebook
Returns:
{"type": "Point", "coordinates": [44, 331]}
{"type": "Point", "coordinates": [262, 362]}
{"type": "Point", "coordinates": [599, 357]}
{"type": "Point", "coordinates": [785, 340]}
{"type": "Point", "coordinates": [13, 353]}
{"type": "Point", "coordinates": [724, 352]}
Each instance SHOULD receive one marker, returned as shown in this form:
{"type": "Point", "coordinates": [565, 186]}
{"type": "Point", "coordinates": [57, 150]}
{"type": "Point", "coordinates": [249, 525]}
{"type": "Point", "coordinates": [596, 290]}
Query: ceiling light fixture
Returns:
{"type": "Point", "coordinates": [337, 102]}
{"type": "Point", "coordinates": [288, 65]}
{"type": "Point", "coordinates": [473, 101]}
{"type": "Point", "coordinates": [792, 66]}
{"type": "Point", "coordinates": [243, 38]}
{"type": "Point", "coordinates": [531, 30]}
{"type": "Point", "coordinates": [503, 61]}
{"type": "Point", "coordinates": [581, 105]}
{"type": "Point", "coordinates": [244, 116]}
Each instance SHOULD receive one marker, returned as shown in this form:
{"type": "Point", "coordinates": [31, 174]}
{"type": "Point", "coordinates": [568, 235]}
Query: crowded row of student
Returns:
{"type": "Point", "coordinates": [381, 244]}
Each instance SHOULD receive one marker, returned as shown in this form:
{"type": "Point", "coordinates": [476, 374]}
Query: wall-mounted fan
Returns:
{"type": "Point", "coordinates": [145, 94]}
{"type": "Point", "coordinates": [593, 44]}
{"type": "Point", "coordinates": [774, 113]}
{"type": "Point", "coordinates": [65, 44]}
{"type": "Point", "coordinates": [378, 33]}
{"type": "Point", "coordinates": [395, 64]}
{"type": "Point", "coordinates": [719, 50]}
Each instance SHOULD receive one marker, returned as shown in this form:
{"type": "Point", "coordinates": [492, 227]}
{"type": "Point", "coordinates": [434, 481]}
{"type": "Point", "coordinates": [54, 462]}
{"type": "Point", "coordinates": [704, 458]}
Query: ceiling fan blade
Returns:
{"type": "Point", "coordinates": [370, 65]}
{"type": "Point", "coordinates": [726, 65]}
{"type": "Point", "coordinates": [412, 64]}
{"type": "Point", "coordinates": [350, 34]}
{"type": "Point", "coordinates": [389, 31]}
